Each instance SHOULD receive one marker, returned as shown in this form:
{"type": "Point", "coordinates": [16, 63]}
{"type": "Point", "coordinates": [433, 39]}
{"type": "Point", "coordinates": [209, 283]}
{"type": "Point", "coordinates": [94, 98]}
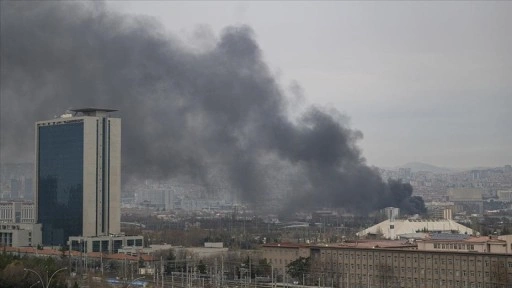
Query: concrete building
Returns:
{"type": "Point", "coordinates": [504, 195]}
{"type": "Point", "coordinates": [393, 263]}
{"type": "Point", "coordinates": [105, 244]}
{"type": "Point", "coordinates": [440, 210]}
{"type": "Point", "coordinates": [391, 229]}
{"type": "Point", "coordinates": [467, 200]}
{"type": "Point", "coordinates": [20, 234]}
{"type": "Point", "coordinates": [17, 212]}
{"type": "Point", "coordinates": [281, 254]}
{"type": "Point", "coordinates": [377, 265]}
{"type": "Point", "coordinates": [391, 213]}
{"type": "Point", "coordinates": [459, 242]}
{"type": "Point", "coordinates": [78, 175]}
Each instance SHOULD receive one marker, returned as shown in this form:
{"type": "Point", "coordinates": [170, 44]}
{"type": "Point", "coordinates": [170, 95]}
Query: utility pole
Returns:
{"type": "Point", "coordinates": [162, 271]}
{"type": "Point", "coordinates": [222, 272]}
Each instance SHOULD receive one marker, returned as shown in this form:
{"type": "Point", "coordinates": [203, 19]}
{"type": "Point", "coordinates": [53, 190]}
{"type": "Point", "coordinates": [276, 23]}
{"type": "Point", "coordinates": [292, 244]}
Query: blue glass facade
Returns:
{"type": "Point", "coordinates": [60, 186]}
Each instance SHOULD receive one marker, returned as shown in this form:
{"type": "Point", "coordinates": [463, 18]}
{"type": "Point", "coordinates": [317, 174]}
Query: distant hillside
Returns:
{"type": "Point", "coordinates": [418, 166]}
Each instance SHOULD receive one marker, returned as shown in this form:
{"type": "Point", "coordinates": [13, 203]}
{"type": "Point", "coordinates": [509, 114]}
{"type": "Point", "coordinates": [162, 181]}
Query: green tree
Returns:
{"type": "Point", "coordinates": [298, 268]}
{"type": "Point", "coordinates": [263, 268]}
{"type": "Point", "coordinates": [201, 267]}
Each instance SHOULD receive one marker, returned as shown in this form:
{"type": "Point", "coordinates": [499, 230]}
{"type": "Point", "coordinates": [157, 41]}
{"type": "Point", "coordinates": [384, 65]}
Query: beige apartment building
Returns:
{"type": "Point", "coordinates": [482, 244]}
{"type": "Point", "coordinates": [386, 263]}
{"type": "Point", "coordinates": [281, 254]}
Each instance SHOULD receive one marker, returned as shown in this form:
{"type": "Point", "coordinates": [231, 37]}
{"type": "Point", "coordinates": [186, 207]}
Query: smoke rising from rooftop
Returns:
{"type": "Point", "coordinates": [185, 111]}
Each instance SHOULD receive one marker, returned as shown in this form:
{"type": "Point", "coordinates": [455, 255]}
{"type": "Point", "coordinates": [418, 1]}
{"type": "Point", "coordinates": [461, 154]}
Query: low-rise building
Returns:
{"type": "Point", "coordinates": [20, 234]}
{"type": "Point", "coordinates": [374, 265]}
{"type": "Point", "coordinates": [460, 242]}
{"type": "Point", "coordinates": [105, 244]}
{"type": "Point", "coordinates": [451, 260]}
{"type": "Point", "coordinates": [440, 210]}
{"type": "Point", "coordinates": [467, 200]}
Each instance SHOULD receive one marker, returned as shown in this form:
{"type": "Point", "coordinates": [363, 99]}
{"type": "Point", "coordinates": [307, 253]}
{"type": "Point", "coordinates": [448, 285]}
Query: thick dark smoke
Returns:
{"type": "Point", "coordinates": [184, 112]}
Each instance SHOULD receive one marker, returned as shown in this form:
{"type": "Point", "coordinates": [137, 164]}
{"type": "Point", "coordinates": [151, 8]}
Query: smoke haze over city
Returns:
{"type": "Point", "coordinates": [217, 109]}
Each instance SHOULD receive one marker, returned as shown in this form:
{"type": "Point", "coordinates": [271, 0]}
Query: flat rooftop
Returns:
{"type": "Point", "coordinates": [91, 109]}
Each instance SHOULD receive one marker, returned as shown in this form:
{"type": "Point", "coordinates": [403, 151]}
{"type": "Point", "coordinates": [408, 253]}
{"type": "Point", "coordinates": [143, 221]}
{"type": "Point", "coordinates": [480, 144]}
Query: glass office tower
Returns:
{"type": "Point", "coordinates": [78, 165]}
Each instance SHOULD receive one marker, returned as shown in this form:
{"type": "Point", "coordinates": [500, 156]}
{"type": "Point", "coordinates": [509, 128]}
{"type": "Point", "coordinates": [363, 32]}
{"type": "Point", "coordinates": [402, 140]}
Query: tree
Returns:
{"type": "Point", "coordinates": [263, 268]}
{"type": "Point", "coordinates": [13, 275]}
{"type": "Point", "coordinates": [201, 267]}
{"type": "Point", "coordinates": [296, 269]}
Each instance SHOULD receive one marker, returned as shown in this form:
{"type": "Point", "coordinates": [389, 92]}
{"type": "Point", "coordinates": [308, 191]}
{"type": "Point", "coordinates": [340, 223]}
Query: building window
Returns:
{"type": "Point", "coordinates": [95, 246]}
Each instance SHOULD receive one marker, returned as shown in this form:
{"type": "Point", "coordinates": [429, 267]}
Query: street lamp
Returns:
{"type": "Point", "coordinates": [61, 269]}
{"type": "Point", "coordinates": [133, 281]}
{"type": "Point", "coordinates": [41, 278]}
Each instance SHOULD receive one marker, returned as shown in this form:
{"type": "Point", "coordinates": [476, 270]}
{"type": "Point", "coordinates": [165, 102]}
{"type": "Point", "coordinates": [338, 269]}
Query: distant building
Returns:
{"type": "Point", "coordinates": [440, 210]}
{"type": "Point", "coordinates": [392, 213]}
{"type": "Point", "coordinates": [504, 195]}
{"type": "Point", "coordinates": [467, 200]}
{"type": "Point", "coordinates": [17, 212]}
{"type": "Point", "coordinates": [28, 193]}
{"type": "Point", "coordinates": [324, 216]}
{"type": "Point", "coordinates": [15, 188]}
{"type": "Point", "coordinates": [78, 175]}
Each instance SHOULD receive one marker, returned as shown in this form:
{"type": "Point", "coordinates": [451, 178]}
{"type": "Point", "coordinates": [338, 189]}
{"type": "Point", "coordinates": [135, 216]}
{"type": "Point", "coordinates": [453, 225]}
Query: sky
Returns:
{"type": "Point", "coordinates": [423, 81]}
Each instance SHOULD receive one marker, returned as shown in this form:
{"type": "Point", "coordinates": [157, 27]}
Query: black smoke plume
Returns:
{"type": "Point", "coordinates": [185, 111]}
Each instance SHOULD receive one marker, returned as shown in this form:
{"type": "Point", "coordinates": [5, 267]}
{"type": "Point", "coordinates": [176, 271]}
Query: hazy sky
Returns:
{"type": "Point", "coordinates": [423, 81]}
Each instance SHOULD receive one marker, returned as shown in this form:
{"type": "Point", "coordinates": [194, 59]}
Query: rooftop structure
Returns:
{"type": "Point", "coordinates": [391, 229]}
{"type": "Point", "coordinates": [93, 111]}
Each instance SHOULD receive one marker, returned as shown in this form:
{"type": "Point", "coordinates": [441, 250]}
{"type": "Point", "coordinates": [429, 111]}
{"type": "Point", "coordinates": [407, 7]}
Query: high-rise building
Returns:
{"type": "Point", "coordinates": [78, 175]}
